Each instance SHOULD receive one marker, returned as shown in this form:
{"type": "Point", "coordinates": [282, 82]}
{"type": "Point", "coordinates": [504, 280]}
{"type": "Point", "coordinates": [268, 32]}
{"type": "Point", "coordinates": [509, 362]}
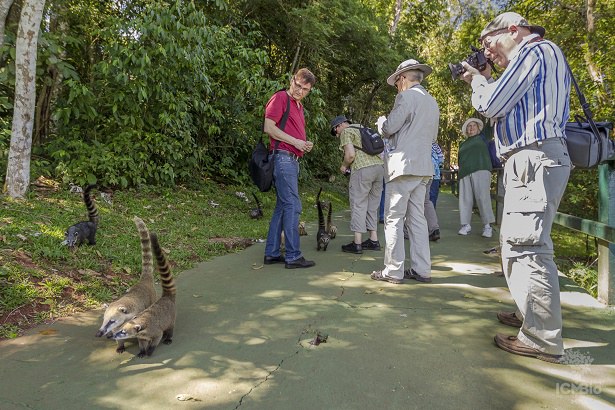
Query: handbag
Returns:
{"type": "Point", "coordinates": [588, 142]}
{"type": "Point", "coordinates": [260, 165]}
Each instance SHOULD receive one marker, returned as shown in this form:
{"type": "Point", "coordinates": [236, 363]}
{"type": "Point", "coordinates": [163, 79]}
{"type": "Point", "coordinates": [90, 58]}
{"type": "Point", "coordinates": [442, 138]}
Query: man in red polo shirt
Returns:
{"type": "Point", "coordinates": [288, 143]}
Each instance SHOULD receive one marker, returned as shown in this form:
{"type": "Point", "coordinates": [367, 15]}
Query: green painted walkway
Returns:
{"type": "Point", "coordinates": [243, 332]}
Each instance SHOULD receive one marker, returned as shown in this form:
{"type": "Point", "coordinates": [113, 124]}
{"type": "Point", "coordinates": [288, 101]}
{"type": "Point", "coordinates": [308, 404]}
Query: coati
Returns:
{"type": "Point", "coordinates": [84, 231]}
{"type": "Point", "coordinates": [156, 323]}
{"type": "Point", "coordinates": [322, 236]}
{"type": "Point", "coordinates": [139, 297]}
{"type": "Point", "coordinates": [256, 213]}
{"type": "Point", "coordinates": [302, 230]}
{"type": "Point", "coordinates": [331, 229]}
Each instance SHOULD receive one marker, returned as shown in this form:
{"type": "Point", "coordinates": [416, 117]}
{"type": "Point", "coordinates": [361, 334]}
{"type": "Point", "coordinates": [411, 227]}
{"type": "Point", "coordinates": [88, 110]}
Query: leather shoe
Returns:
{"type": "Point", "coordinates": [300, 263]}
{"type": "Point", "coordinates": [509, 319]}
{"type": "Point", "coordinates": [411, 274]}
{"type": "Point", "coordinates": [269, 260]}
{"type": "Point", "coordinates": [513, 345]}
{"type": "Point", "coordinates": [435, 235]}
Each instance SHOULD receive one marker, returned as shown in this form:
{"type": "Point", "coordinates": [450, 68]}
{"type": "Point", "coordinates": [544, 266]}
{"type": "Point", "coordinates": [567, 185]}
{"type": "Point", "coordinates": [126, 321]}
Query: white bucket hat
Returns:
{"type": "Point", "coordinates": [410, 64]}
{"type": "Point", "coordinates": [505, 20]}
{"type": "Point", "coordinates": [470, 120]}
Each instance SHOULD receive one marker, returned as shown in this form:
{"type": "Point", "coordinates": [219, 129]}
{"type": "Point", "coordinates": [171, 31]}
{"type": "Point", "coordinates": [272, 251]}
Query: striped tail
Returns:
{"type": "Point", "coordinates": [166, 278]}
{"type": "Point", "coordinates": [147, 258]}
{"type": "Point", "coordinates": [90, 205]}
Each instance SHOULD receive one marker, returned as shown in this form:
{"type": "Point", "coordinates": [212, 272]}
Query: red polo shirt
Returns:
{"type": "Point", "coordinates": [295, 124]}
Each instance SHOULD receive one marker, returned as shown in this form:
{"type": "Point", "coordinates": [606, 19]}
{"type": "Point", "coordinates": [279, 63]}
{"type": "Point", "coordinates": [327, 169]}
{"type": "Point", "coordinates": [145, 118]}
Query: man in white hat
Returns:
{"type": "Point", "coordinates": [530, 106]}
{"type": "Point", "coordinates": [410, 130]}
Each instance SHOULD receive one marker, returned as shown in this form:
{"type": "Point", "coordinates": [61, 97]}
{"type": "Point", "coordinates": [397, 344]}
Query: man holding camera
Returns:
{"type": "Point", "coordinates": [529, 103]}
{"type": "Point", "coordinates": [364, 187]}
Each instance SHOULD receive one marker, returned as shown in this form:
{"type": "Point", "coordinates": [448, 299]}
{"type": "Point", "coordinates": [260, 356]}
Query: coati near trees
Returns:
{"type": "Point", "coordinates": [256, 213]}
{"type": "Point", "coordinates": [322, 236]}
{"type": "Point", "coordinates": [331, 229]}
{"type": "Point", "coordinates": [84, 231]}
{"type": "Point", "coordinates": [302, 230]}
{"type": "Point", "coordinates": [157, 322]}
{"type": "Point", "coordinates": [139, 297]}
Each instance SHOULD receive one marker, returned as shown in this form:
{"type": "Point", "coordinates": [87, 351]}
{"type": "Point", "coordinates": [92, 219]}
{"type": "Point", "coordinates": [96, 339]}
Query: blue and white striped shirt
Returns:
{"type": "Point", "coordinates": [531, 100]}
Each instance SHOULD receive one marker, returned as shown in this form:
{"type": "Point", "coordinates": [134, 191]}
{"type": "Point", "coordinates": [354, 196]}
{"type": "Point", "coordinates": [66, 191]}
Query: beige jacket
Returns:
{"type": "Point", "coordinates": [410, 129]}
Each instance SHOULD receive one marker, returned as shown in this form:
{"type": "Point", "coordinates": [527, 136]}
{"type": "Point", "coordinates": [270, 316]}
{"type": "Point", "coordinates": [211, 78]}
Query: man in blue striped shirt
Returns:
{"type": "Point", "coordinates": [529, 103]}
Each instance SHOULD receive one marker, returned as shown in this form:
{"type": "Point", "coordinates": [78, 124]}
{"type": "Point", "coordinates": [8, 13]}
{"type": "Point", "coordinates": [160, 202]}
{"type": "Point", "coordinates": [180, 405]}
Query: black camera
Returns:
{"type": "Point", "coordinates": [477, 60]}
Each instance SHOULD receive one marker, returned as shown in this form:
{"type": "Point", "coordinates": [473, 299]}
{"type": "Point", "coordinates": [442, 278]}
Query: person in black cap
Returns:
{"type": "Point", "coordinates": [530, 105]}
{"type": "Point", "coordinates": [364, 186]}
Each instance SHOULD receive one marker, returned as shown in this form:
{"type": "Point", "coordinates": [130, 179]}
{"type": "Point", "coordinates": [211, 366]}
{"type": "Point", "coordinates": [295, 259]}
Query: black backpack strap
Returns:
{"type": "Point", "coordinates": [282, 121]}
{"type": "Point", "coordinates": [358, 128]}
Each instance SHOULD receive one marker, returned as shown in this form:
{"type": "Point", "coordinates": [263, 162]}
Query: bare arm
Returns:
{"type": "Point", "coordinates": [349, 156]}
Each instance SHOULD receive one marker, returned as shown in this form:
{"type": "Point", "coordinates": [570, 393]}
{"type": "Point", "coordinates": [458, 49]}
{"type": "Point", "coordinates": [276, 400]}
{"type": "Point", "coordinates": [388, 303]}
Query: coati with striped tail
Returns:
{"type": "Point", "coordinates": [156, 323]}
{"type": "Point", "coordinates": [84, 231]}
{"type": "Point", "coordinates": [138, 298]}
{"type": "Point", "coordinates": [256, 213]}
{"type": "Point", "coordinates": [331, 229]}
{"type": "Point", "coordinates": [322, 236]}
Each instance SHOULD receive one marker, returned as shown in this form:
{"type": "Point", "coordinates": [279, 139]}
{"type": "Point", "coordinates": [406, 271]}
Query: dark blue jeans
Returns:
{"type": "Point", "coordinates": [434, 191]}
{"type": "Point", "coordinates": [287, 209]}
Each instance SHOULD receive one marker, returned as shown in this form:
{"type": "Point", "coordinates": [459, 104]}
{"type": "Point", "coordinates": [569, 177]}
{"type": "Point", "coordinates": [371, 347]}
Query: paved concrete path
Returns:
{"type": "Point", "coordinates": [243, 332]}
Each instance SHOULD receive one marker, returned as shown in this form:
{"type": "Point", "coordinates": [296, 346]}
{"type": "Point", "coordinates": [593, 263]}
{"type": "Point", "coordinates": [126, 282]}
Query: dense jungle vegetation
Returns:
{"type": "Point", "coordinates": [170, 93]}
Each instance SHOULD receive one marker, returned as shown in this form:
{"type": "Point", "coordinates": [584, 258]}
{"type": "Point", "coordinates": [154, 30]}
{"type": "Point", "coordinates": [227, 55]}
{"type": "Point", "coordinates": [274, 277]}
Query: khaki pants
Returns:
{"type": "Point", "coordinates": [364, 191]}
{"type": "Point", "coordinates": [475, 187]}
{"type": "Point", "coordinates": [404, 199]}
{"type": "Point", "coordinates": [535, 179]}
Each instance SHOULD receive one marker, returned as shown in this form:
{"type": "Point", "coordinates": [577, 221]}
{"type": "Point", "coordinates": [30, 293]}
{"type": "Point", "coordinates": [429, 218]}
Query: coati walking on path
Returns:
{"type": "Point", "coordinates": [138, 298]}
{"type": "Point", "coordinates": [256, 213]}
{"type": "Point", "coordinates": [84, 231]}
{"type": "Point", "coordinates": [331, 229]}
{"type": "Point", "coordinates": [156, 323]}
{"type": "Point", "coordinates": [322, 236]}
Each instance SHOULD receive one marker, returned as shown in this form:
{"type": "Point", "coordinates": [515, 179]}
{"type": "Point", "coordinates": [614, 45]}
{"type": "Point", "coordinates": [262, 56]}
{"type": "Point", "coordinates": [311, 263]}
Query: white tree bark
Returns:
{"type": "Point", "coordinates": [18, 168]}
{"type": "Point", "coordinates": [5, 5]}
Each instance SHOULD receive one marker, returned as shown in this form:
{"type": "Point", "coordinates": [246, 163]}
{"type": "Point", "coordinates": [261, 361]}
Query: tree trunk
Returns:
{"type": "Point", "coordinates": [18, 168]}
{"type": "Point", "coordinates": [396, 17]}
{"type": "Point", "coordinates": [5, 6]}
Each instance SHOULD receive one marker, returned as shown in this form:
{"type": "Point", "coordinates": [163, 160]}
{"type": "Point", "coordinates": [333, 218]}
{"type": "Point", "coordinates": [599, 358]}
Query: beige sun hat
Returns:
{"type": "Point", "coordinates": [470, 120]}
{"type": "Point", "coordinates": [410, 64]}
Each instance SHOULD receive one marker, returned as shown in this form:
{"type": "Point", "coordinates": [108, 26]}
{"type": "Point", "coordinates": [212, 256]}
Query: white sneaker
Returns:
{"type": "Point", "coordinates": [487, 231]}
{"type": "Point", "coordinates": [465, 229]}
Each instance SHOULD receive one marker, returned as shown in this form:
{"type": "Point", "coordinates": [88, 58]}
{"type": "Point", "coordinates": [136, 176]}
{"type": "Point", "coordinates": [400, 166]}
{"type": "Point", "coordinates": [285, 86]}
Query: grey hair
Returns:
{"type": "Point", "coordinates": [415, 75]}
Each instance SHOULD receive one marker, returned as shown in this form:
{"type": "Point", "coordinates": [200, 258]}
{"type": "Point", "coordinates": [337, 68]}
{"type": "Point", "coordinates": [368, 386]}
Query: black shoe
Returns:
{"type": "Point", "coordinates": [370, 245]}
{"type": "Point", "coordinates": [269, 260]}
{"type": "Point", "coordinates": [411, 274]}
{"type": "Point", "coordinates": [352, 248]}
{"type": "Point", "coordinates": [299, 263]}
{"type": "Point", "coordinates": [435, 235]}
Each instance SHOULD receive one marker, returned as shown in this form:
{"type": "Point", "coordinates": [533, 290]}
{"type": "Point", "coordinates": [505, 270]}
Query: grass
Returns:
{"type": "Point", "coordinates": [41, 280]}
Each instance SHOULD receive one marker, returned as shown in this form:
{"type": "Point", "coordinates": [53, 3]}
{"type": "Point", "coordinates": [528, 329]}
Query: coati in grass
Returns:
{"type": "Point", "coordinates": [302, 230]}
{"type": "Point", "coordinates": [256, 213]}
{"type": "Point", "coordinates": [331, 229]}
{"type": "Point", "coordinates": [322, 236]}
{"type": "Point", "coordinates": [138, 298]}
{"type": "Point", "coordinates": [84, 231]}
{"type": "Point", "coordinates": [156, 323]}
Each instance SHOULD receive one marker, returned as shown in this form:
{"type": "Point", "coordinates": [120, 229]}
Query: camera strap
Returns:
{"type": "Point", "coordinates": [589, 116]}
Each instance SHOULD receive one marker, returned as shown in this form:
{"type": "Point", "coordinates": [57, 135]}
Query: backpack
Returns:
{"type": "Point", "coordinates": [371, 141]}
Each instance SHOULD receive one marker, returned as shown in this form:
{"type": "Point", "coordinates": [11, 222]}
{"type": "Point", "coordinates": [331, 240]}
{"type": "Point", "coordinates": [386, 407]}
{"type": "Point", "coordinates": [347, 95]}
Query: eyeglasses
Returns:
{"type": "Point", "coordinates": [399, 77]}
{"type": "Point", "coordinates": [491, 35]}
{"type": "Point", "coordinates": [303, 89]}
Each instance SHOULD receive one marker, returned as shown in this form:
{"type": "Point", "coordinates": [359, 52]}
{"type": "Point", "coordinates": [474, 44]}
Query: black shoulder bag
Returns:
{"type": "Point", "coordinates": [588, 142]}
{"type": "Point", "coordinates": [260, 168]}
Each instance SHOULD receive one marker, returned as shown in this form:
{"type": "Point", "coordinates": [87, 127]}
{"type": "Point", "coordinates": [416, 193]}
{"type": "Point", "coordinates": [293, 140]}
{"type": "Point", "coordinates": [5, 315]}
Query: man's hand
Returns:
{"type": "Point", "coordinates": [303, 146]}
{"type": "Point", "coordinates": [379, 122]}
{"type": "Point", "coordinates": [469, 73]}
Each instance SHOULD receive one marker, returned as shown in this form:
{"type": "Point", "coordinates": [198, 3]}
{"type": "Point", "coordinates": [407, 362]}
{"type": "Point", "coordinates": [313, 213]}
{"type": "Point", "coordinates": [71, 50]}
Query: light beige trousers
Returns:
{"type": "Point", "coordinates": [404, 200]}
{"type": "Point", "coordinates": [535, 179]}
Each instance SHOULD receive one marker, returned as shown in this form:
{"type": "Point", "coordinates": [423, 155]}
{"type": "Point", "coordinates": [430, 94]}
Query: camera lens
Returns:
{"type": "Point", "coordinates": [456, 70]}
